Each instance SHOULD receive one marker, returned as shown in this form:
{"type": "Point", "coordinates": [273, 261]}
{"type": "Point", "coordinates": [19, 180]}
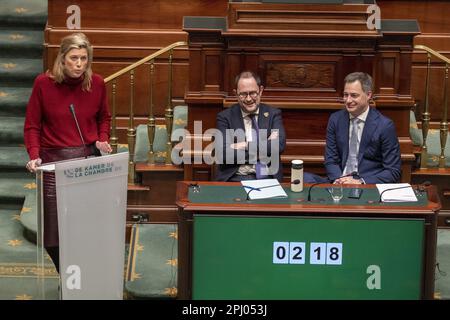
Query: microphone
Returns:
{"type": "Point", "coordinates": [72, 111]}
{"type": "Point", "coordinates": [353, 174]}
{"type": "Point", "coordinates": [391, 189]}
{"type": "Point", "coordinates": [420, 189]}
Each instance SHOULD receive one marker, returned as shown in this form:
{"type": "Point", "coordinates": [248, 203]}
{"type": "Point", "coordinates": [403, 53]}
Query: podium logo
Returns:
{"type": "Point", "coordinates": [69, 173]}
{"type": "Point", "coordinates": [93, 169]}
{"type": "Point", "coordinates": [73, 281]}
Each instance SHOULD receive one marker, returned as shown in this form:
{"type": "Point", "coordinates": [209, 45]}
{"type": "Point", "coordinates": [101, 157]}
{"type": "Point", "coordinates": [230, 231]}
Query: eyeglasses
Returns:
{"type": "Point", "coordinates": [244, 95]}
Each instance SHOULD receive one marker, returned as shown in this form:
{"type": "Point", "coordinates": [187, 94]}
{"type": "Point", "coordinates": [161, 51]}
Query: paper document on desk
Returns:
{"type": "Point", "coordinates": [396, 192]}
{"type": "Point", "coordinates": [263, 189]}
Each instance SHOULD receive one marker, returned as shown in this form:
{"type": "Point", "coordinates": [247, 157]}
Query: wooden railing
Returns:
{"type": "Point", "coordinates": [131, 131]}
{"type": "Point", "coordinates": [426, 114]}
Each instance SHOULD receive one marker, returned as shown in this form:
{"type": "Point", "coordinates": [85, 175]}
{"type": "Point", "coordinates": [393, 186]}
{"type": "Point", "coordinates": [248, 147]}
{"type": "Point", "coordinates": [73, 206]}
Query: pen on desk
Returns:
{"type": "Point", "coordinates": [252, 188]}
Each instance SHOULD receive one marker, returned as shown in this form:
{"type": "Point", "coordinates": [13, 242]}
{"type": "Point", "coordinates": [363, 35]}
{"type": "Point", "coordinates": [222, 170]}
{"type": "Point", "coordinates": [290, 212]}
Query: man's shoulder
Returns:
{"type": "Point", "coordinates": [338, 114]}
{"type": "Point", "coordinates": [228, 111]}
{"type": "Point", "coordinates": [379, 117]}
{"type": "Point", "coordinates": [268, 108]}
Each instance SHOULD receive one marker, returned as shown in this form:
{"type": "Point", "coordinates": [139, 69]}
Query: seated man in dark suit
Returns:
{"type": "Point", "coordinates": [242, 154]}
{"type": "Point", "coordinates": [360, 139]}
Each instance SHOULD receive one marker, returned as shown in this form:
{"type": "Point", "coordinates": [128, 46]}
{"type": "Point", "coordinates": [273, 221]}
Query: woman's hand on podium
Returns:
{"type": "Point", "coordinates": [103, 146]}
{"type": "Point", "coordinates": [33, 164]}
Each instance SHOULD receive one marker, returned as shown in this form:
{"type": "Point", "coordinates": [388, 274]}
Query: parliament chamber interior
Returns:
{"type": "Point", "coordinates": [169, 68]}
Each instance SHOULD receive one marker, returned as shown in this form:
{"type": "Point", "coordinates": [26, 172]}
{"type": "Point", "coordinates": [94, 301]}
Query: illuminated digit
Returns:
{"type": "Point", "coordinates": [280, 252]}
{"type": "Point", "coordinates": [318, 255]}
{"type": "Point", "coordinates": [297, 253]}
{"type": "Point", "coordinates": [334, 253]}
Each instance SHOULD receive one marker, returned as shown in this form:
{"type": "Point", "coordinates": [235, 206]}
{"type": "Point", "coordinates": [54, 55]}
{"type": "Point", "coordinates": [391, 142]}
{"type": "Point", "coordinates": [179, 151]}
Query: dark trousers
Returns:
{"type": "Point", "coordinates": [53, 252]}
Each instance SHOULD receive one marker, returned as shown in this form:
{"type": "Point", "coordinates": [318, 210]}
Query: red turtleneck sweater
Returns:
{"type": "Point", "coordinates": [49, 122]}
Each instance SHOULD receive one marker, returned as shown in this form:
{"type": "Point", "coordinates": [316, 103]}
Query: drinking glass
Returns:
{"type": "Point", "coordinates": [336, 192]}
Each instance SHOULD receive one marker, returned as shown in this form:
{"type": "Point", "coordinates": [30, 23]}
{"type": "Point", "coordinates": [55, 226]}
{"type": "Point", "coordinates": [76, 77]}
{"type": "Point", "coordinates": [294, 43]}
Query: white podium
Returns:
{"type": "Point", "coordinates": [91, 197]}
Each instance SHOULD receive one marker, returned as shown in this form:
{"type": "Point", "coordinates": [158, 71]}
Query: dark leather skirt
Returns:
{"type": "Point", "coordinates": [47, 155]}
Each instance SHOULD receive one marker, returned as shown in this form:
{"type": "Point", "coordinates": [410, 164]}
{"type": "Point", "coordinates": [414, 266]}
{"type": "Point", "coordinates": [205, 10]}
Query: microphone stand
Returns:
{"type": "Point", "coordinates": [353, 174]}
{"type": "Point", "coordinates": [312, 186]}
{"type": "Point", "coordinates": [72, 110]}
{"type": "Point", "coordinates": [391, 189]}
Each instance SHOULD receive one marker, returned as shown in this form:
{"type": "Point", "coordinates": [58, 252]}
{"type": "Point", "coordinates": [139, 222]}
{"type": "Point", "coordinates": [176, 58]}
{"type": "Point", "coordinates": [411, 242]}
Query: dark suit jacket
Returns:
{"type": "Point", "coordinates": [269, 118]}
{"type": "Point", "coordinates": [379, 150]}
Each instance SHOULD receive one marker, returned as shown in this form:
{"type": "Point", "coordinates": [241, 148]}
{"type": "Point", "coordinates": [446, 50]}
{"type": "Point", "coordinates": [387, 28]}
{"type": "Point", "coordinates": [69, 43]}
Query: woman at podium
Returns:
{"type": "Point", "coordinates": [67, 117]}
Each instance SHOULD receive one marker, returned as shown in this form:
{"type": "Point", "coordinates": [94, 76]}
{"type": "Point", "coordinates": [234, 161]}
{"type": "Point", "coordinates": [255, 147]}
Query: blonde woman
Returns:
{"type": "Point", "coordinates": [68, 94]}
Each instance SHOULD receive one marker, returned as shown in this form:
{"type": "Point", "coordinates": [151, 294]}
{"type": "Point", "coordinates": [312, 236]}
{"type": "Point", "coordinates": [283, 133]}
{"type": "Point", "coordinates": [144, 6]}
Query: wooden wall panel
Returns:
{"type": "Point", "coordinates": [302, 69]}
{"type": "Point", "coordinates": [135, 14]}
{"type": "Point", "coordinates": [135, 29]}
{"type": "Point", "coordinates": [434, 23]}
{"type": "Point", "coordinates": [388, 75]}
{"type": "Point", "coordinates": [300, 75]}
{"type": "Point", "coordinates": [122, 32]}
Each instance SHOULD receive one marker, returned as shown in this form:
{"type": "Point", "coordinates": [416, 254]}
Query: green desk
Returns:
{"type": "Point", "coordinates": [291, 248]}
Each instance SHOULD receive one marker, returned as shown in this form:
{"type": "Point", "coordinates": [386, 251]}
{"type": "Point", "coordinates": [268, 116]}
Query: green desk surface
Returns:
{"type": "Point", "coordinates": [319, 196]}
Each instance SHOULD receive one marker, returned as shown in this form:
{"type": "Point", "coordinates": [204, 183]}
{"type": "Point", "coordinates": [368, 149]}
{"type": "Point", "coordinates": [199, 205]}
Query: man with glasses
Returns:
{"type": "Point", "coordinates": [252, 135]}
{"type": "Point", "coordinates": [360, 139]}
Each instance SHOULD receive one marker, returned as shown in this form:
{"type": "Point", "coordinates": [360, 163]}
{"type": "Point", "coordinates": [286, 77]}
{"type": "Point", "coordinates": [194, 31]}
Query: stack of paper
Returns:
{"type": "Point", "coordinates": [396, 192]}
{"type": "Point", "coordinates": [263, 189]}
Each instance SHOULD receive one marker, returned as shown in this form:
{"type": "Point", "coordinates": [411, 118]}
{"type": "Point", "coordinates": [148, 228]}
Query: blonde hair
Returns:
{"type": "Point", "coordinates": [73, 41]}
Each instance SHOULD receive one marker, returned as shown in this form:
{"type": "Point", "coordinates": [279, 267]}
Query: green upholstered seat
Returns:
{"type": "Point", "coordinates": [160, 140]}
{"type": "Point", "coordinates": [152, 268]}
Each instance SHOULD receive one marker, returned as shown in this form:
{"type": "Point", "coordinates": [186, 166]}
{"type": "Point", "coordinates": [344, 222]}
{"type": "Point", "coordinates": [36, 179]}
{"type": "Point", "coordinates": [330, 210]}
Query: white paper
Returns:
{"type": "Point", "coordinates": [263, 189]}
{"type": "Point", "coordinates": [405, 194]}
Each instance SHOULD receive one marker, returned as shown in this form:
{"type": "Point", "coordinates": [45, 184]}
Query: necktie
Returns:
{"type": "Point", "coordinates": [352, 160]}
{"type": "Point", "coordinates": [260, 168]}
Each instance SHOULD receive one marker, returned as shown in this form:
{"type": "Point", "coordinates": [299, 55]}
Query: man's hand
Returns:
{"type": "Point", "coordinates": [347, 180]}
{"type": "Point", "coordinates": [104, 146]}
{"type": "Point", "coordinates": [33, 164]}
{"type": "Point", "coordinates": [239, 145]}
{"type": "Point", "coordinates": [273, 135]}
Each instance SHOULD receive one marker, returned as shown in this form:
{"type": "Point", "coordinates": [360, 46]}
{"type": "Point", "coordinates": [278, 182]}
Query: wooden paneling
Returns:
{"type": "Point", "coordinates": [432, 16]}
{"type": "Point", "coordinates": [136, 14]}
{"type": "Point", "coordinates": [302, 69]}
{"type": "Point", "coordinates": [298, 18]}
{"type": "Point", "coordinates": [107, 61]}
{"type": "Point", "coordinates": [123, 32]}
